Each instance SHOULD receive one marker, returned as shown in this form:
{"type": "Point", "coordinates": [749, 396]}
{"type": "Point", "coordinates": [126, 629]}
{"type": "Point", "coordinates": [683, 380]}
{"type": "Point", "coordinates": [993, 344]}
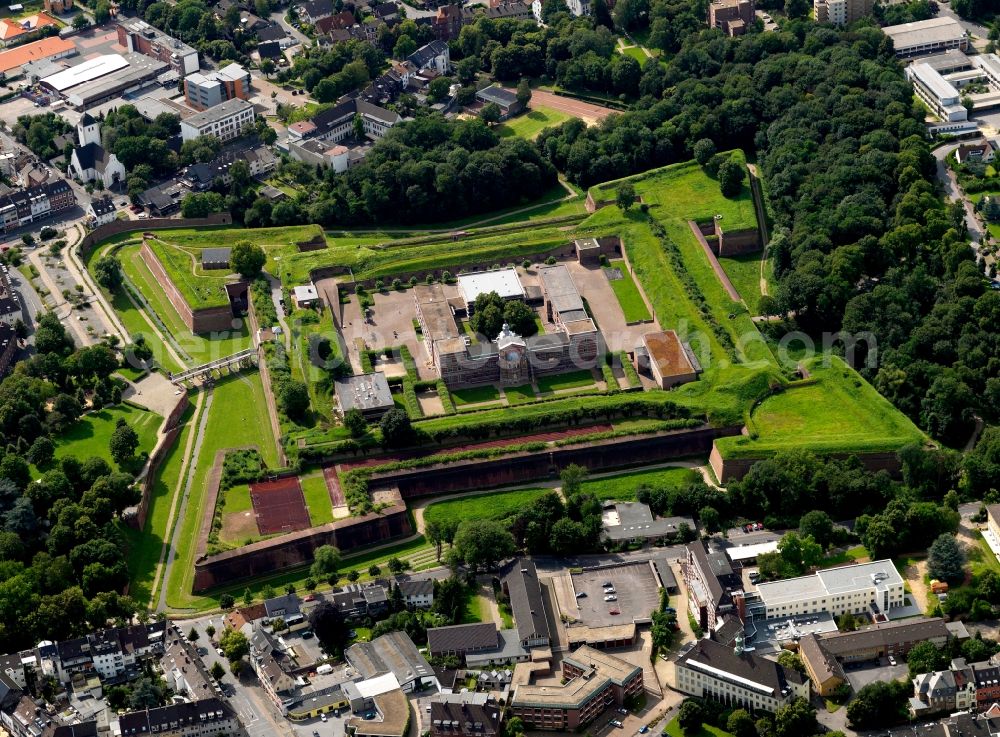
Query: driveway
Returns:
{"type": "Point", "coordinates": [949, 183]}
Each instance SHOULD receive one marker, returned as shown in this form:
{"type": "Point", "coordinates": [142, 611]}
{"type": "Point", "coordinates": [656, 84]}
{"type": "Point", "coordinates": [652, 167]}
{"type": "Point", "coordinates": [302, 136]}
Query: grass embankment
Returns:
{"type": "Point", "coordinates": [195, 349]}
{"type": "Point", "coordinates": [834, 410]}
{"type": "Point", "coordinates": [237, 417]}
{"type": "Point", "coordinates": [744, 273]}
{"type": "Point", "coordinates": [317, 498]}
{"type": "Point", "coordinates": [495, 505]}
{"type": "Point", "coordinates": [475, 395]}
{"type": "Point", "coordinates": [145, 546]}
{"type": "Point", "coordinates": [564, 382]}
{"type": "Point", "coordinates": [623, 487]}
{"type": "Point", "coordinates": [707, 730]}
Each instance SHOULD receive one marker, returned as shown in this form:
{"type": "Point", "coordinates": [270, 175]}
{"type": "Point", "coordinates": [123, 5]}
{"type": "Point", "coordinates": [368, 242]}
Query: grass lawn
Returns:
{"type": "Point", "coordinates": [519, 394]}
{"type": "Point", "coordinates": [496, 505]}
{"type": "Point", "coordinates": [237, 417]}
{"type": "Point", "coordinates": [144, 546]}
{"type": "Point", "coordinates": [624, 486]}
{"type": "Point", "coordinates": [197, 348]}
{"type": "Point", "coordinates": [744, 272]}
{"type": "Point", "coordinates": [317, 498]}
{"type": "Point", "coordinates": [530, 124]}
{"type": "Point", "coordinates": [851, 555]}
{"type": "Point", "coordinates": [707, 730]}
{"type": "Point", "coordinates": [477, 608]}
{"type": "Point", "coordinates": [506, 616]}
{"type": "Point", "coordinates": [635, 52]}
{"type": "Point", "coordinates": [199, 288]}
{"type": "Point", "coordinates": [91, 434]}
{"type": "Point", "coordinates": [628, 294]}
{"type": "Point", "coordinates": [571, 380]}
{"type": "Point", "coordinates": [237, 499]}
{"type": "Point", "coordinates": [475, 395]}
{"type": "Point", "coordinates": [833, 411]}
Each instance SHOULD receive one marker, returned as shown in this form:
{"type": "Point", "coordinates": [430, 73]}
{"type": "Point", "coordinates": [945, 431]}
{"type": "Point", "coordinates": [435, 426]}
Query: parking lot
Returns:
{"type": "Point", "coordinates": [634, 586]}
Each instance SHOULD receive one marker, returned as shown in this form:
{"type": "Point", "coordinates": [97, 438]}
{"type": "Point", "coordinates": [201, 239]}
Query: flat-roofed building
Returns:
{"type": "Point", "coordinates": [634, 522]}
{"type": "Point", "coordinates": [870, 589]}
{"type": "Point", "coordinates": [595, 682]}
{"type": "Point", "coordinates": [927, 36]}
{"type": "Point", "coordinates": [208, 89]}
{"type": "Point", "coordinates": [504, 282]}
{"type": "Point", "coordinates": [225, 121]}
{"type": "Point", "coordinates": [663, 356]}
{"type": "Point", "coordinates": [138, 36]}
{"type": "Point", "coordinates": [940, 95]}
{"type": "Point", "coordinates": [368, 393]}
{"type": "Point", "coordinates": [715, 590]}
{"type": "Point", "coordinates": [738, 678]}
{"type": "Point", "coordinates": [732, 17]}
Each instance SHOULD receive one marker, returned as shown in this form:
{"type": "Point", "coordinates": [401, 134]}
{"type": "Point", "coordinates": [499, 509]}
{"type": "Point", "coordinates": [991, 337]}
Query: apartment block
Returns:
{"type": "Point", "coordinates": [208, 89]}
{"type": "Point", "coordinates": [225, 121]}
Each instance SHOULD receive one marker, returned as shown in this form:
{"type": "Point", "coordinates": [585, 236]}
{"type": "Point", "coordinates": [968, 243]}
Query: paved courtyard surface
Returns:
{"type": "Point", "coordinates": [871, 674]}
{"type": "Point", "coordinates": [636, 589]}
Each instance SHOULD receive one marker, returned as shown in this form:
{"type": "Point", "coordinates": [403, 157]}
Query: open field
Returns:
{"type": "Point", "coordinates": [628, 294]}
{"type": "Point", "coordinates": [475, 395]}
{"type": "Point", "coordinates": [834, 410]}
{"type": "Point", "coordinates": [317, 498]}
{"type": "Point", "coordinates": [531, 123]}
{"type": "Point", "coordinates": [144, 546]}
{"type": "Point", "coordinates": [623, 487]}
{"type": "Point", "coordinates": [497, 505]}
{"type": "Point", "coordinates": [199, 288]}
{"type": "Point", "coordinates": [90, 435]}
{"type": "Point", "coordinates": [562, 382]}
{"type": "Point", "coordinates": [237, 417]}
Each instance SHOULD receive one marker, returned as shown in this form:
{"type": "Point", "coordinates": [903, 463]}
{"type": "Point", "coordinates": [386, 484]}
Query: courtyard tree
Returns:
{"type": "Point", "coordinates": [925, 657]}
{"type": "Point", "coordinates": [817, 525]}
{"type": "Point", "coordinates": [326, 562]}
{"type": "Point", "coordinates": [491, 113]}
{"type": "Point", "coordinates": [247, 259]}
{"type": "Point", "coordinates": [879, 704]}
{"type": "Point", "coordinates": [123, 444]}
{"type": "Point", "coordinates": [397, 432]}
{"type": "Point", "coordinates": [147, 693]}
{"type": "Point", "coordinates": [691, 716]}
{"type": "Point", "coordinates": [293, 397]}
{"type": "Point", "coordinates": [741, 724]}
{"type": "Point", "coordinates": [330, 628]}
{"type": "Point", "coordinates": [520, 318]}
{"type": "Point", "coordinates": [193, 635]}
{"type": "Point", "coordinates": [355, 422]}
{"type": "Point", "coordinates": [481, 544]}
{"type": "Point", "coordinates": [945, 560]}
{"type": "Point", "coordinates": [795, 719]}
{"type": "Point", "coordinates": [625, 196]}
{"type": "Point", "coordinates": [523, 92]}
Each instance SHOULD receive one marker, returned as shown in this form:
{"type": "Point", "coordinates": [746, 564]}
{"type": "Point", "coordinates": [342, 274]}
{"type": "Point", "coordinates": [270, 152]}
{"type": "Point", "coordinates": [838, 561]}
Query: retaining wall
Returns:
{"type": "Point", "coordinates": [737, 242]}
{"type": "Point", "coordinates": [599, 455]}
{"type": "Point", "coordinates": [296, 548]}
{"type": "Point", "coordinates": [210, 319]}
{"type": "Point", "coordinates": [734, 469]}
{"type": "Point", "coordinates": [116, 227]}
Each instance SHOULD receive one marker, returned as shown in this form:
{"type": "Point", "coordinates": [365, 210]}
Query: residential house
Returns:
{"type": "Point", "coordinates": [101, 211]}
{"type": "Point", "coordinates": [527, 604]}
{"type": "Point", "coordinates": [460, 639]}
{"type": "Point", "coordinates": [185, 719]}
{"type": "Point", "coordinates": [312, 10]}
{"type": "Point", "coordinates": [981, 152]}
{"type": "Point", "coordinates": [738, 678]}
{"type": "Point", "coordinates": [448, 22]}
{"type": "Point", "coordinates": [185, 671]}
{"type": "Point", "coordinates": [357, 601]}
{"type": "Point", "coordinates": [732, 17]}
{"type": "Point", "coordinates": [416, 593]}
{"type": "Point", "coordinates": [434, 56]}
{"type": "Point", "coordinates": [10, 303]}
{"type": "Point", "coordinates": [944, 690]}
{"type": "Point", "coordinates": [260, 160]}
{"type": "Point", "coordinates": [272, 666]}
{"type": "Point", "coordinates": [23, 206]}
{"type": "Point", "coordinates": [14, 31]}
{"type": "Point", "coordinates": [89, 160]}
{"type": "Point", "coordinates": [466, 718]}
{"type": "Point", "coordinates": [8, 349]}
{"type": "Point", "coordinates": [287, 607]}
{"type": "Point", "coordinates": [505, 99]}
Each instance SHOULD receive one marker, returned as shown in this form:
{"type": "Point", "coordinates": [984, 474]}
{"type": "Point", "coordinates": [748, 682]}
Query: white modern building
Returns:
{"type": "Point", "coordinates": [504, 282]}
{"type": "Point", "coordinates": [937, 93]}
{"type": "Point", "coordinates": [868, 588]}
{"type": "Point", "coordinates": [224, 121]}
{"type": "Point", "coordinates": [738, 678]}
{"type": "Point", "coordinates": [927, 36]}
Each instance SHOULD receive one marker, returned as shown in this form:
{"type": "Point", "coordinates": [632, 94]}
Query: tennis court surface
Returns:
{"type": "Point", "coordinates": [279, 506]}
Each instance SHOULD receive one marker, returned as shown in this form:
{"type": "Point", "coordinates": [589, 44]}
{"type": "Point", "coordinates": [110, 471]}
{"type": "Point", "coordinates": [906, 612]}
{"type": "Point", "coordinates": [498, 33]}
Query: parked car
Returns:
{"type": "Point", "coordinates": [611, 597]}
{"type": "Point", "coordinates": [643, 729]}
{"type": "Point", "coordinates": [623, 710]}
{"type": "Point", "coordinates": [219, 651]}
{"type": "Point", "coordinates": [580, 594]}
{"type": "Point", "coordinates": [614, 612]}
{"type": "Point", "coordinates": [607, 584]}
{"type": "Point", "coordinates": [615, 723]}
{"type": "Point", "coordinates": [323, 717]}
{"type": "Point", "coordinates": [892, 660]}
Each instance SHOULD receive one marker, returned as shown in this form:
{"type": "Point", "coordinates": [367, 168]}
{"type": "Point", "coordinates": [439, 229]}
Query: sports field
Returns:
{"type": "Point", "coordinates": [531, 123]}
{"type": "Point", "coordinates": [90, 436]}
{"type": "Point", "coordinates": [317, 497]}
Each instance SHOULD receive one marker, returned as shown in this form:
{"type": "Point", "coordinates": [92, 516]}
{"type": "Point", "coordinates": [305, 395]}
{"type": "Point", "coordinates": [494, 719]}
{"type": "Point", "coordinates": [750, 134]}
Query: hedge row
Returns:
{"type": "Point", "coordinates": [445, 396]}
{"type": "Point", "coordinates": [630, 373]}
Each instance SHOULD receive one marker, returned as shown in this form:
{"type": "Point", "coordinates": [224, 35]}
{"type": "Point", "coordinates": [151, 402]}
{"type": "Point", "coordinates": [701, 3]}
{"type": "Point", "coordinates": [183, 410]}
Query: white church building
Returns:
{"type": "Point", "coordinates": [90, 162]}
